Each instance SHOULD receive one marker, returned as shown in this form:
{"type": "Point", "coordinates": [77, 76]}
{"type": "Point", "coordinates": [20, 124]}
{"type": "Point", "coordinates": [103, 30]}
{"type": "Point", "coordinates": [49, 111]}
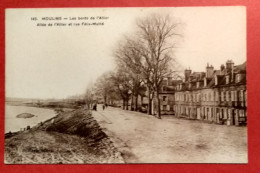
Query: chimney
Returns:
{"type": "Point", "coordinates": [187, 74]}
{"type": "Point", "coordinates": [209, 71]}
{"type": "Point", "coordinates": [222, 68]}
{"type": "Point", "coordinates": [230, 68]}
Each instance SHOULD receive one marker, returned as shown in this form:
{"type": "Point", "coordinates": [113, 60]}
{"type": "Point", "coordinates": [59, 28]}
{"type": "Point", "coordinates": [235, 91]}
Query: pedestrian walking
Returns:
{"type": "Point", "coordinates": [95, 107]}
{"type": "Point", "coordinates": [104, 106]}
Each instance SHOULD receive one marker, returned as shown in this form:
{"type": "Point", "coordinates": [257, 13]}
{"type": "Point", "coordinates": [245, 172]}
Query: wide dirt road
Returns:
{"type": "Point", "coordinates": [145, 139]}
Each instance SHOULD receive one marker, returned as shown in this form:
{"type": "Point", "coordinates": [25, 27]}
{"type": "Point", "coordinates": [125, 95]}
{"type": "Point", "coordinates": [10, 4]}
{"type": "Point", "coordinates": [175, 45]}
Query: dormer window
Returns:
{"type": "Point", "coordinates": [198, 84]}
{"type": "Point", "coordinates": [227, 79]}
{"type": "Point", "coordinates": [238, 78]}
{"type": "Point", "coordinates": [205, 82]}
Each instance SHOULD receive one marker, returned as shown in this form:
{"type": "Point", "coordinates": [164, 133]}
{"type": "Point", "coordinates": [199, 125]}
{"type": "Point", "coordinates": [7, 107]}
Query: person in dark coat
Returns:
{"type": "Point", "coordinates": [95, 107]}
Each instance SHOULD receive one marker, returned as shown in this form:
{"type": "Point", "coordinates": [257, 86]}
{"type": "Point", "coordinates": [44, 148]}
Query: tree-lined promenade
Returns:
{"type": "Point", "coordinates": [143, 59]}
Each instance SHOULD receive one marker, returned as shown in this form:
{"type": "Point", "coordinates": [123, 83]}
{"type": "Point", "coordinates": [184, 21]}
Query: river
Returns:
{"type": "Point", "coordinates": [13, 124]}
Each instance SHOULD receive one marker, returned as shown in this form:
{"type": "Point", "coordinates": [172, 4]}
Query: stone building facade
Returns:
{"type": "Point", "coordinates": [218, 96]}
{"type": "Point", "coordinates": [166, 95]}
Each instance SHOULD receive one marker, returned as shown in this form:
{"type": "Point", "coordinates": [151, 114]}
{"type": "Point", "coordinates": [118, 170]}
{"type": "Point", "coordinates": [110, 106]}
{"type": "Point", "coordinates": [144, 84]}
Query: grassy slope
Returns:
{"type": "Point", "coordinates": [72, 137]}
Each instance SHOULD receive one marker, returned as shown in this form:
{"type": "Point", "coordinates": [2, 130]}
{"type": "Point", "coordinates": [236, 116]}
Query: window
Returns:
{"type": "Point", "coordinates": [216, 80]}
{"type": "Point", "coordinates": [241, 113]}
{"type": "Point", "coordinates": [227, 96]}
{"type": "Point", "coordinates": [238, 78]}
{"type": "Point", "coordinates": [164, 88]}
{"type": "Point", "coordinates": [227, 79]}
{"type": "Point", "coordinates": [171, 108]}
{"type": "Point", "coordinates": [221, 113]}
{"type": "Point", "coordinates": [216, 96]}
{"type": "Point", "coordinates": [164, 107]}
{"type": "Point", "coordinates": [245, 98]}
{"type": "Point", "coordinates": [225, 114]}
{"type": "Point", "coordinates": [242, 95]}
{"type": "Point", "coordinates": [228, 113]}
{"type": "Point", "coordinates": [164, 98]}
{"type": "Point", "coordinates": [198, 84]}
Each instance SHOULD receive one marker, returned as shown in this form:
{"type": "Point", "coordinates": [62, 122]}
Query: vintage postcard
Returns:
{"type": "Point", "coordinates": [126, 85]}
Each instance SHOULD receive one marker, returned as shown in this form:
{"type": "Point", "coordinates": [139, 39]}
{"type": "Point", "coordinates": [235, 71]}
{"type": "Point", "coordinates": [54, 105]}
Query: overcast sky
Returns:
{"type": "Point", "coordinates": [56, 62]}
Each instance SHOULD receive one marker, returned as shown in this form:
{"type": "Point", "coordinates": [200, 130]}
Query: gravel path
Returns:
{"type": "Point", "coordinates": [145, 139]}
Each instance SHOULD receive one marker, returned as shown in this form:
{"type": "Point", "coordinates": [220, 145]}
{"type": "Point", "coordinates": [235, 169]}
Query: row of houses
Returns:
{"type": "Point", "coordinates": [218, 96]}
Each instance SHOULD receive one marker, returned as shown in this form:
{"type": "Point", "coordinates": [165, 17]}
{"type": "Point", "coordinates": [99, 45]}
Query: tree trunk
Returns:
{"type": "Point", "coordinates": [123, 104]}
{"type": "Point", "coordinates": [132, 102]}
{"type": "Point", "coordinates": [136, 102]}
{"type": "Point", "coordinates": [149, 111]}
{"type": "Point", "coordinates": [126, 103]}
{"type": "Point", "coordinates": [159, 105]}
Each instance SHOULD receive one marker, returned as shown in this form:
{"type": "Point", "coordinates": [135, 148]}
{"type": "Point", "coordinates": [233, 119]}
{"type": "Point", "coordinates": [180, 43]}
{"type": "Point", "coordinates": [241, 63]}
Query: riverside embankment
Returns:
{"type": "Point", "coordinates": [68, 138]}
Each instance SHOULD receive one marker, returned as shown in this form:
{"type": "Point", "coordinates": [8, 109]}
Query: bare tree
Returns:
{"type": "Point", "coordinates": [147, 56]}
{"type": "Point", "coordinates": [128, 57]}
{"type": "Point", "coordinates": [156, 45]}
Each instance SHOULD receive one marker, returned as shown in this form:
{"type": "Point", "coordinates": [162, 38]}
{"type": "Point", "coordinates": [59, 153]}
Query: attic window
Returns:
{"type": "Point", "coordinates": [238, 78]}
{"type": "Point", "coordinates": [227, 79]}
{"type": "Point", "coordinates": [198, 84]}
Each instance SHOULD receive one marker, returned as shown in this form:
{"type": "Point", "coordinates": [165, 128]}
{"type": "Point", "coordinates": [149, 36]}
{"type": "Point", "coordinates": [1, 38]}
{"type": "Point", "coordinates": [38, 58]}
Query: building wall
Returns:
{"type": "Point", "coordinates": [232, 105]}
{"type": "Point", "coordinates": [167, 102]}
{"type": "Point", "coordinates": [224, 105]}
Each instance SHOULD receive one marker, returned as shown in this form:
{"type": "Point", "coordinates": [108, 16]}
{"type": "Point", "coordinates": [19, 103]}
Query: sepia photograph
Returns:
{"type": "Point", "coordinates": [126, 85]}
